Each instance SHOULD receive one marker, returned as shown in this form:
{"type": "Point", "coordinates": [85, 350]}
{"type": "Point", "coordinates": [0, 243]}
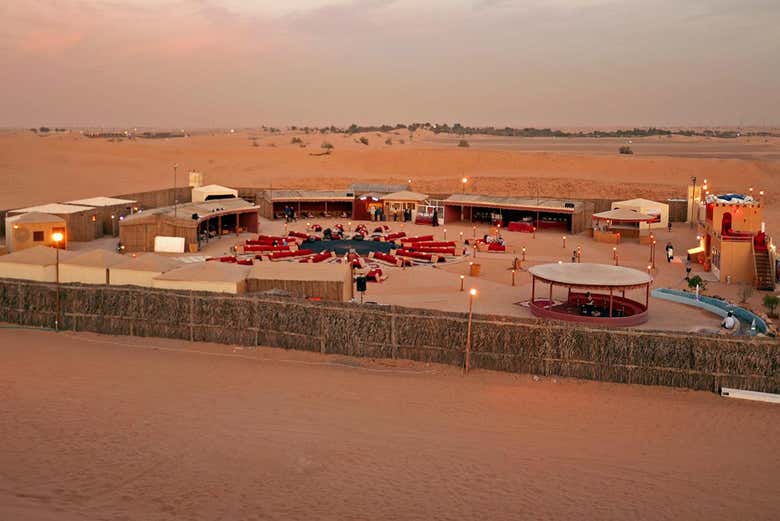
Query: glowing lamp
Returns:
{"type": "Point", "coordinates": [57, 236]}
{"type": "Point", "coordinates": [473, 292]}
{"type": "Point", "coordinates": [464, 180]}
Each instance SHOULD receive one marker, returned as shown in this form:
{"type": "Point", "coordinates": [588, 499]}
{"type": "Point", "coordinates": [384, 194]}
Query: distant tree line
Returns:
{"type": "Point", "coordinates": [461, 130]}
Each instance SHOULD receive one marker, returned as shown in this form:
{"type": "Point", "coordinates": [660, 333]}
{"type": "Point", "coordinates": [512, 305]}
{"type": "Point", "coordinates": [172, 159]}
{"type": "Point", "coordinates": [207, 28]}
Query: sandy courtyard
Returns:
{"type": "Point", "coordinates": [124, 428]}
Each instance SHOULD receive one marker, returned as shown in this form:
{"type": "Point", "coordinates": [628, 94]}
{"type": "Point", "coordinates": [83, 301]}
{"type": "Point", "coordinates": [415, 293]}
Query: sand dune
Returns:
{"type": "Point", "coordinates": [122, 428]}
{"type": "Point", "coordinates": [37, 169]}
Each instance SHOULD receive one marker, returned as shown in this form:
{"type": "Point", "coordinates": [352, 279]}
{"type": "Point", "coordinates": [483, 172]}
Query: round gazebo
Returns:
{"type": "Point", "coordinates": [608, 307]}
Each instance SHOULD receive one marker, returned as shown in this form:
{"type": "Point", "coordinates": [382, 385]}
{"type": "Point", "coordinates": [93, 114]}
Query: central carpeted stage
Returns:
{"type": "Point", "coordinates": [362, 248]}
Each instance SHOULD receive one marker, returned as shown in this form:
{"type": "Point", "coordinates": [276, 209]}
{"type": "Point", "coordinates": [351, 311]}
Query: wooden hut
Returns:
{"type": "Point", "coordinates": [81, 222]}
{"type": "Point", "coordinates": [309, 204]}
{"type": "Point", "coordinates": [517, 213]}
{"type": "Point", "coordinates": [33, 229]}
{"type": "Point", "coordinates": [109, 211]}
{"type": "Point", "coordinates": [194, 222]}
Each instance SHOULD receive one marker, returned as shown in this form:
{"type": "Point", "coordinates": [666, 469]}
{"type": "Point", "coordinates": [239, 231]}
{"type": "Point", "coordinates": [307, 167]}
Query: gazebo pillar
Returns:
{"type": "Point", "coordinates": [533, 288]}
{"type": "Point", "coordinates": [647, 297]}
{"type": "Point", "coordinates": [549, 302]}
{"type": "Point", "coordinates": [610, 302]}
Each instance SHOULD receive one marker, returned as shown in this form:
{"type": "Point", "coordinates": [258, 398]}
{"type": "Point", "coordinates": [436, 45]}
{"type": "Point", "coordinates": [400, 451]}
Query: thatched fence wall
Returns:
{"type": "Point", "coordinates": [499, 343]}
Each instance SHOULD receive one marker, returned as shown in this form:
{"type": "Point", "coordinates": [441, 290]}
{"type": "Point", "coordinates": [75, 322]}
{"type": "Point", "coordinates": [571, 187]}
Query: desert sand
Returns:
{"type": "Point", "coordinates": [65, 166]}
{"type": "Point", "coordinates": [107, 428]}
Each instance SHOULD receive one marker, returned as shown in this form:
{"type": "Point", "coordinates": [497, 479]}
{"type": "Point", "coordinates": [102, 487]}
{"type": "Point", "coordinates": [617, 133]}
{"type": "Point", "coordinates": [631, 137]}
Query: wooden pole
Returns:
{"type": "Point", "coordinates": [610, 302]}
{"type": "Point", "coordinates": [57, 296]}
{"type": "Point", "coordinates": [468, 334]}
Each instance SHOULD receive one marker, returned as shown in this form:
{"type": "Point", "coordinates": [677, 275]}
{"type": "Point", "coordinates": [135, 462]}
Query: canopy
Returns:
{"type": "Point", "coordinates": [405, 195]}
{"type": "Point", "coordinates": [623, 215]}
{"type": "Point", "coordinates": [589, 275]}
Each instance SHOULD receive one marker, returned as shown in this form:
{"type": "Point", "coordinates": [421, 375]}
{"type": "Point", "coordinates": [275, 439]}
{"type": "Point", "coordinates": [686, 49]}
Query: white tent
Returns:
{"type": "Point", "coordinates": [90, 267]}
{"type": "Point", "coordinates": [659, 211]}
{"type": "Point", "coordinates": [140, 270]}
{"type": "Point", "coordinates": [37, 263]}
{"type": "Point", "coordinates": [218, 277]}
{"type": "Point", "coordinates": [212, 192]}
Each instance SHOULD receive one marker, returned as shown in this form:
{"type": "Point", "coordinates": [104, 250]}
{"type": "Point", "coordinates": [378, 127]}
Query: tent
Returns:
{"type": "Point", "coordinates": [140, 270]}
{"type": "Point", "coordinates": [90, 267]}
{"type": "Point", "coordinates": [211, 192]}
{"type": "Point", "coordinates": [659, 211]}
{"type": "Point", "coordinates": [38, 263]}
{"type": "Point", "coordinates": [33, 229]}
{"type": "Point", "coordinates": [217, 277]}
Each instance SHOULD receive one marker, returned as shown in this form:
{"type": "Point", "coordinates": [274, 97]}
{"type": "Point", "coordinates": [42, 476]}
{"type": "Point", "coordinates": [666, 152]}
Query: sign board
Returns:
{"type": "Point", "coordinates": [164, 244]}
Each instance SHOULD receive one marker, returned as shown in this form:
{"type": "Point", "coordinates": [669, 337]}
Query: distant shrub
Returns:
{"type": "Point", "coordinates": [34, 130]}
{"type": "Point", "coordinates": [770, 303]}
{"type": "Point", "coordinates": [326, 145]}
{"type": "Point", "coordinates": [389, 141]}
{"type": "Point", "coordinates": [697, 281]}
{"type": "Point", "coordinates": [625, 149]}
{"type": "Point", "coordinates": [44, 129]}
{"type": "Point", "coordinates": [402, 141]}
{"type": "Point", "coordinates": [296, 141]}
{"type": "Point", "coordinates": [364, 140]}
{"type": "Point", "coordinates": [463, 143]}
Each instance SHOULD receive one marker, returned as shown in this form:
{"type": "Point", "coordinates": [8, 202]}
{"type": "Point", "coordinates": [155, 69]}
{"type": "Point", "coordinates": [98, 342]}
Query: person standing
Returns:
{"type": "Point", "coordinates": [435, 218]}
{"type": "Point", "coordinates": [669, 251]}
{"type": "Point", "coordinates": [669, 226]}
{"type": "Point", "coordinates": [688, 268]}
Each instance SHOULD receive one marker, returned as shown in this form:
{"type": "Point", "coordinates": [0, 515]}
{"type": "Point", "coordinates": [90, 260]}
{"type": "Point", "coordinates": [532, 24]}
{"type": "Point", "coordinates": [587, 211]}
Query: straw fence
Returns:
{"type": "Point", "coordinates": [499, 343]}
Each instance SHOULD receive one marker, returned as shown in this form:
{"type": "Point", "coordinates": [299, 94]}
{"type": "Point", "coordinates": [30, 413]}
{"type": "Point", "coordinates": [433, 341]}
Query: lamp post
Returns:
{"type": "Point", "coordinates": [175, 199]}
{"type": "Point", "coordinates": [614, 252]}
{"type": "Point", "coordinates": [463, 184]}
{"type": "Point", "coordinates": [653, 257]}
{"type": "Point", "coordinates": [445, 234]}
{"type": "Point", "coordinates": [462, 278]}
{"type": "Point", "coordinates": [564, 242]}
{"type": "Point", "coordinates": [513, 276]}
{"type": "Point", "coordinates": [57, 238]}
{"type": "Point", "coordinates": [693, 201]}
{"type": "Point", "coordinates": [523, 253]}
{"type": "Point", "coordinates": [472, 294]}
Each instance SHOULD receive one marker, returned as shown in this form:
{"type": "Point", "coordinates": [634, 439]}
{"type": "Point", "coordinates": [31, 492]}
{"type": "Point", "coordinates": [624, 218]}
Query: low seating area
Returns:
{"type": "Point", "coordinates": [581, 305]}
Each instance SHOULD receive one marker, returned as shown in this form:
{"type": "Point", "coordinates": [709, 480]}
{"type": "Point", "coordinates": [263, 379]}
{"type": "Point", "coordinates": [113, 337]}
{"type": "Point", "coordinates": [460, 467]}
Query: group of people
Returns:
{"type": "Point", "coordinates": [289, 213]}
{"type": "Point", "coordinates": [377, 213]}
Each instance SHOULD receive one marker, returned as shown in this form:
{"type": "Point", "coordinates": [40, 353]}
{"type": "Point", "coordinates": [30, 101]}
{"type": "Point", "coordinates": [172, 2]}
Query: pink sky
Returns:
{"type": "Point", "coordinates": [200, 63]}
